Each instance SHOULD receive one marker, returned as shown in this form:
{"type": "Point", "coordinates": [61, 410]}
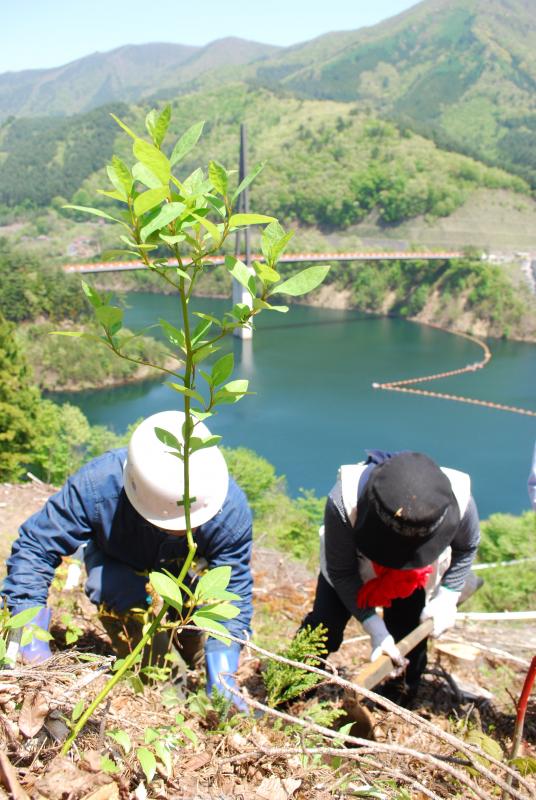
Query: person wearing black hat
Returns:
{"type": "Point", "coordinates": [399, 533]}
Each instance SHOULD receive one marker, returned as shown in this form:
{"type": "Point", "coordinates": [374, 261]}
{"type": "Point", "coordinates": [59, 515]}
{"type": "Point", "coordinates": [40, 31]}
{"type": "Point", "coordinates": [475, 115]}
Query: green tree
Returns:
{"type": "Point", "coordinates": [19, 401]}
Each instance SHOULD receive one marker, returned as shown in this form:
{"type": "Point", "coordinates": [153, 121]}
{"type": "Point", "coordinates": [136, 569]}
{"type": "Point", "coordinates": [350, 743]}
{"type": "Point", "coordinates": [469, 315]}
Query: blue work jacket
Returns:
{"type": "Point", "coordinates": [92, 507]}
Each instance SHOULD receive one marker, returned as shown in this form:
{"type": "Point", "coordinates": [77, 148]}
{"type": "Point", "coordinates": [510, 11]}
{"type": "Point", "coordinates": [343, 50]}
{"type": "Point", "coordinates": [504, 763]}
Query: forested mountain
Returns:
{"type": "Point", "coordinates": [328, 164]}
{"type": "Point", "coordinates": [126, 74]}
{"type": "Point", "coordinates": [460, 71]}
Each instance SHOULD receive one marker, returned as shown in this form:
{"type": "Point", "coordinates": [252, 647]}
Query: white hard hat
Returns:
{"type": "Point", "coordinates": [154, 477]}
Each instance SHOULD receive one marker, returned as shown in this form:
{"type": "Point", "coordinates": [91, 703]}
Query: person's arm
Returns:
{"type": "Point", "coordinates": [342, 560]}
{"type": "Point", "coordinates": [464, 547]}
{"type": "Point", "coordinates": [231, 546]}
{"type": "Point", "coordinates": [532, 481]}
{"type": "Point", "coordinates": [442, 606]}
{"type": "Point", "coordinates": [55, 531]}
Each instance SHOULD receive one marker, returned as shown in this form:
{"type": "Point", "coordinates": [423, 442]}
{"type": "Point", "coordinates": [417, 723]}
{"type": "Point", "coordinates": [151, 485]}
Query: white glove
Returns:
{"type": "Point", "coordinates": [381, 641]}
{"type": "Point", "coordinates": [442, 610]}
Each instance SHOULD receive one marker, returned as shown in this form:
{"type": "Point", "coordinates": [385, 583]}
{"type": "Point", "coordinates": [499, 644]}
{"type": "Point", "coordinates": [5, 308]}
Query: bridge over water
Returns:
{"type": "Point", "coordinates": [240, 295]}
{"type": "Point", "coordinates": [293, 258]}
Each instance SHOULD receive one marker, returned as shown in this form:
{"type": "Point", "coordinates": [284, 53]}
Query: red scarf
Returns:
{"type": "Point", "coordinates": [391, 584]}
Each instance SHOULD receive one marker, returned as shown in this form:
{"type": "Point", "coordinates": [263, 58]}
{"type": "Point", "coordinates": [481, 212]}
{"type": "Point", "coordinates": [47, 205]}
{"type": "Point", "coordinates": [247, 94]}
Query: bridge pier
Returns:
{"type": "Point", "coordinates": [241, 295]}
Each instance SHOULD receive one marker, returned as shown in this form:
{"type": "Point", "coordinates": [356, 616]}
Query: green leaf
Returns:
{"type": "Point", "coordinates": [210, 227]}
{"type": "Point", "coordinates": [116, 181]}
{"type": "Point", "coordinates": [162, 125]}
{"type": "Point", "coordinates": [80, 334]}
{"type": "Point", "coordinates": [186, 143]}
{"type": "Point", "coordinates": [174, 335]}
{"type": "Point", "coordinates": [146, 176]}
{"type": "Point", "coordinates": [303, 282]}
{"type": "Point", "coordinates": [27, 635]}
{"type": "Point", "coordinates": [174, 240]}
{"type": "Point", "coordinates": [237, 220]}
{"type": "Point", "coordinates": [220, 611]}
{"type": "Point", "coordinates": [211, 626]}
{"type": "Point", "coordinates": [248, 179]}
{"type": "Point", "coordinates": [189, 733]}
{"type": "Point", "coordinates": [96, 213]}
{"type": "Point", "coordinates": [486, 743]}
{"type": "Point", "coordinates": [218, 177]}
{"type": "Point", "coordinates": [150, 735]}
{"type": "Point", "coordinates": [122, 125]}
{"type": "Point", "coordinates": [109, 316]}
{"type": "Point", "coordinates": [232, 392]}
{"type": "Point", "coordinates": [525, 764]}
{"type": "Point", "coordinates": [263, 305]}
{"type": "Point", "coordinates": [77, 711]}
{"type": "Point", "coordinates": [200, 329]}
{"type": "Point", "coordinates": [147, 762]}
{"type": "Point", "coordinates": [274, 241]}
{"type": "Point", "coordinates": [200, 415]}
{"type": "Point", "coordinates": [204, 352]}
{"type": "Point", "coordinates": [240, 272]}
{"type": "Point", "coordinates": [165, 216]}
{"type": "Point", "coordinates": [150, 122]}
{"type": "Point", "coordinates": [114, 195]}
{"type": "Point", "coordinates": [213, 581]}
{"type": "Point", "coordinates": [157, 124]}
{"type": "Point", "coordinates": [109, 766]}
{"type": "Point", "coordinates": [164, 755]}
{"type": "Point", "coordinates": [168, 439]}
{"type": "Point", "coordinates": [178, 387]}
{"type": "Point", "coordinates": [22, 618]}
{"type": "Point", "coordinates": [123, 174]}
{"type": "Point", "coordinates": [266, 273]}
{"type": "Point", "coordinates": [149, 199]}
{"type": "Point", "coordinates": [214, 320]}
{"type": "Point", "coordinates": [166, 588]}
{"type": "Point", "coordinates": [222, 369]}
{"type": "Point", "coordinates": [200, 444]}
{"type": "Point", "coordinates": [153, 158]}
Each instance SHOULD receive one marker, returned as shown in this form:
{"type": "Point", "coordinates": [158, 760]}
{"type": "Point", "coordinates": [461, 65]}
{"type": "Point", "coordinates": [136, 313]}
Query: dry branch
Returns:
{"type": "Point", "coordinates": [468, 749]}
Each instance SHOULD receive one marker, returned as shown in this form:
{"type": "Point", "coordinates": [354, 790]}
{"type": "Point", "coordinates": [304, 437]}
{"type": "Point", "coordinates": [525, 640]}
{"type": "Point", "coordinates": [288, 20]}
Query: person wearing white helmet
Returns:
{"type": "Point", "coordinates": [125, 508]}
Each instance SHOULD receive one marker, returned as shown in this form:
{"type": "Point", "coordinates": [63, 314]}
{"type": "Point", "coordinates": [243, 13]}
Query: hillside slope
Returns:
{"type": "Point", "coordinates": [462, 69]}
{"type": "Point", "coordinates": [328, 164]}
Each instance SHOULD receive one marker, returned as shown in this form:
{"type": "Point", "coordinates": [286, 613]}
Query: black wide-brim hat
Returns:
{"type": "Point", "coordinates": [407, 514]}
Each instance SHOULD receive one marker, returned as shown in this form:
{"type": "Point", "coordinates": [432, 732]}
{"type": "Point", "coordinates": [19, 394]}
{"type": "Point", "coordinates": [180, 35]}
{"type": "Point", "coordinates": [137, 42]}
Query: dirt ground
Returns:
{"type": "Point", "coordinates": [255, 757]}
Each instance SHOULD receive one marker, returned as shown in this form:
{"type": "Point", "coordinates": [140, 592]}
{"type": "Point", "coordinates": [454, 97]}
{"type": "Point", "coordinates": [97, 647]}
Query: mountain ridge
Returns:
{"type": "Point", "coordinates": [114, 76]}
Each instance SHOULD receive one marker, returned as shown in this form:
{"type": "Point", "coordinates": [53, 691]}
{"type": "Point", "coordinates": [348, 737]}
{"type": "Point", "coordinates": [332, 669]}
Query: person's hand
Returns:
{"type": "Point", "coordinates": [381, 641]}
{"type": "Point", "coordinates": [222, 658]}
{"type": "Point", "coordinates": [37, 649]}
{"type": "Point", "coordinates": [441, 609]}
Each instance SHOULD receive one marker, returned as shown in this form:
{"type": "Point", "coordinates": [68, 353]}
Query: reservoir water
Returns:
{"type": "Point", "coordinates": [314, 407]}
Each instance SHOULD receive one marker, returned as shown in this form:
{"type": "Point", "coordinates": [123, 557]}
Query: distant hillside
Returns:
{"type": "Point", "coordinates": [327, 164]}
{"type": "Point", "coordinates": [126, 74]}
{"type": "Point", "coordinates": [462, 70]}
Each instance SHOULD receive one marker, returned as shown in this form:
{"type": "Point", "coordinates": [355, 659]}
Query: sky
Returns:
{"type": "Point", "coordinates": [37, 34]}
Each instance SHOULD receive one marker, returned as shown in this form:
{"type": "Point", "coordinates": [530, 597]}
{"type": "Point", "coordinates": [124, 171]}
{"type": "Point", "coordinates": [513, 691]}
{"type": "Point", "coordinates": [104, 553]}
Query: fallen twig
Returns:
{"type": "Point", "coordinates": [336, 752]}
{"type": "Point", "coordinates": [366, 747]}
{"type": "Point", "coordinates": [469, 749]}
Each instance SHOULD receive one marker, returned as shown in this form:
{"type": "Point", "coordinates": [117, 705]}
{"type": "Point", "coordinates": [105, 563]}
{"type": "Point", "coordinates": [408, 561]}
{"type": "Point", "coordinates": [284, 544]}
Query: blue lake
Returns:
{"type": "Point", "coordinates": [314, 407]}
